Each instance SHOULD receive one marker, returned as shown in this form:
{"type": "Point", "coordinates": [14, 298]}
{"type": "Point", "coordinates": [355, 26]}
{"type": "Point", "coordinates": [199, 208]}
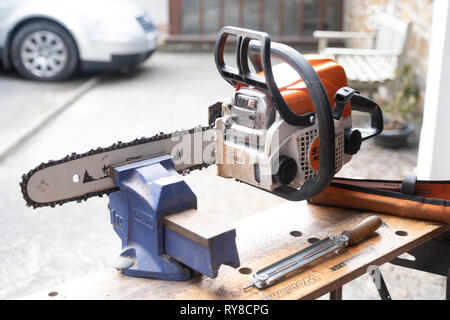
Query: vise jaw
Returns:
{"type": "Point", "coordinates": [163, 236]}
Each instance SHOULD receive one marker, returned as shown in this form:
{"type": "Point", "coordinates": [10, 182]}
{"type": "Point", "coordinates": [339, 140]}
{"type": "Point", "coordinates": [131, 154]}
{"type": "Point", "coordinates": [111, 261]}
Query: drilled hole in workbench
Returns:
{"type": "Point", "coordinates": [313, 240]}
{"type": "Point", "coordinates": [401, 233]}
{"type": "Point", "coordinates": [296, 234]}
{"type": "Point", "coordinates": [245, 270]}
{"type": "Point", "coordinates": [53, 294]}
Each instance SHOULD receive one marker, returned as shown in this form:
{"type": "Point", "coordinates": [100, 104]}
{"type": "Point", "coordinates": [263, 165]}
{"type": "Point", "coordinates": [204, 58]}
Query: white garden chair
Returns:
{"type": "Point", "coordinates": [367, 69]}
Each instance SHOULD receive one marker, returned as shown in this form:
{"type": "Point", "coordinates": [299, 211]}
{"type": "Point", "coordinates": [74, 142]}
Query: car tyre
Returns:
{"type": "Point", "coordinates": [44, 51]}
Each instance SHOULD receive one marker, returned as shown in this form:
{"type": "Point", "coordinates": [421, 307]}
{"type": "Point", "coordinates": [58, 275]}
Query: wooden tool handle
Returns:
{"type": "Point", "coordinates": [363, 229]}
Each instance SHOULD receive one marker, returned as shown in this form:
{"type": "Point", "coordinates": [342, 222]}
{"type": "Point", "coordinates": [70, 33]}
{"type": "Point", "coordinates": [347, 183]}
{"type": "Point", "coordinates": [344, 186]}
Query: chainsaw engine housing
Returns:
{"type": "Point", "coordinates": [256, 146]}
{"type": "Point", "coordinates": [290, 128]}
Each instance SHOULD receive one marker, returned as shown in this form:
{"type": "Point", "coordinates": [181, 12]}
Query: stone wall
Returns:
{"type": "Point", "coordinates": [360, 15]}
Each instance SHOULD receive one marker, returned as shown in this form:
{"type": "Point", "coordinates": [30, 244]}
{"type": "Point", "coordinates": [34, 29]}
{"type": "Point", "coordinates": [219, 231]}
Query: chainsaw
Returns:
{"type": "Point", "coordinates": [288, 130]}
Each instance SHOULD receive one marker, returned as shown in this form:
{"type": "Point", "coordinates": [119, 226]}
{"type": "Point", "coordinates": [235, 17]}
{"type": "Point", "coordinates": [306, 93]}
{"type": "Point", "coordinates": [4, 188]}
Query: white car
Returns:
{"type": "Point", "coordinates": [48, 40]}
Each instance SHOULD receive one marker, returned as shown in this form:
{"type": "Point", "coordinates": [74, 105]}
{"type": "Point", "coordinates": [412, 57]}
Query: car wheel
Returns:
{"type": "Point", "coordinates": [44, 51]}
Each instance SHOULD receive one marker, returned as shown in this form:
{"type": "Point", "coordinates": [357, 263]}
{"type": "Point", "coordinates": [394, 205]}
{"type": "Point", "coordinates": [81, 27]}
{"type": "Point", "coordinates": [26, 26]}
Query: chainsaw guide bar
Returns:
{"type": "Point", "coordinates": [104, 181]}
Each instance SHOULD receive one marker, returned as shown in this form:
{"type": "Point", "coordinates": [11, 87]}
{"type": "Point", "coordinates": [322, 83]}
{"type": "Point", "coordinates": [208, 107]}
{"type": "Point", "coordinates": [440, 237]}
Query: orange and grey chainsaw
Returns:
{"type": "Point", "coordinates": [288, 130]}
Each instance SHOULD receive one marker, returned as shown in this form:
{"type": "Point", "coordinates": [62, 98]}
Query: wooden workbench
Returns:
{"type": "Point", "coordinates": [263, 239]}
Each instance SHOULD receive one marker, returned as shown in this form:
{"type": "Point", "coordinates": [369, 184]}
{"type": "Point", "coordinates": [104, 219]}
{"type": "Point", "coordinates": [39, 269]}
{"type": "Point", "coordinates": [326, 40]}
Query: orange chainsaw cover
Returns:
{"type": "Point", "coordinates": [294, 90]}
{"type": "Point", "coordinates": [430, 201]}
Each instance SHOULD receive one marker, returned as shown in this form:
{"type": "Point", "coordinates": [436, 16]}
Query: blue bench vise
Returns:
{"type": "Point", "coordinates": [163, 236]}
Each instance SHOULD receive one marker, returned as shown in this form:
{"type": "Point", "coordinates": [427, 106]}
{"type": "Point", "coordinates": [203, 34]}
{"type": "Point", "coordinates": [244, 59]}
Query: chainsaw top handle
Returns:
{"type": "Point", "coordinates": [266, 49]}
{"type": "Point", "coordinates": [242, 73]}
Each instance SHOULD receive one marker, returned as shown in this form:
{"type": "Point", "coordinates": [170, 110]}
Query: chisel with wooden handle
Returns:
{"type": "Point", "coordinates": [280, 270]}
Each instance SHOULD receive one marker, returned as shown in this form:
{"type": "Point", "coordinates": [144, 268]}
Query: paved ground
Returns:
{"type": "Point", "coordinates": [48, 246]}
{"type": "Point", "coordinates": [25, 102]}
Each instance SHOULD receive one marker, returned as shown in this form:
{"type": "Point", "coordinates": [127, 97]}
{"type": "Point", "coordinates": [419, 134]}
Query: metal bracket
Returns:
{"type": "Point", "coordinates": [377, 277]}
{"type": "Point", "coordinates": [432, 256]}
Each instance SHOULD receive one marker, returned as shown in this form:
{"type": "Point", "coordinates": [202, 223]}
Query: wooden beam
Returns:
{"type": "Point", "coordinates": [301, 17]}
{"type": "Point", "coordinates": [241, 13]}
{"type": "Point", "coordinates": [201, 17]}
{"type": "Point", "coordinates": [281, 18]}
{"type": "Point", "coordinates": [175, 17]}
{"type": "Point", "coordinates": [322, 13]}
{"type": "Point", "coordinates": [261, 12]}
{"type": "Point", "coordinates": [196, 226]}
{"type": "Point", "coordinates": [221, 14]}
{"type": "Point", "coordinates": [341, 15]}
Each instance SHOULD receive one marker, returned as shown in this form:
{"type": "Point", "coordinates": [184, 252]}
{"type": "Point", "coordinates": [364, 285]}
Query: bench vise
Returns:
{"type": "Point", "coordinates": [163, 236]}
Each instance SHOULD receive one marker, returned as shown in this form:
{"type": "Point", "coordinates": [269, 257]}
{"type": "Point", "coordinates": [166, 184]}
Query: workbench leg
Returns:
{"type": "Point", "coordinates": [336, 294]}
{"type": "Point", "coordinates": [448, 285]}
{"type": "Point", "coordinates": [378, 280]}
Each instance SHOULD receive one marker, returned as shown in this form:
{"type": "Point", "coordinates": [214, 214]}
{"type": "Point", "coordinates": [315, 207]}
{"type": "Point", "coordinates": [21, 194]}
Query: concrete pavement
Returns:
{"type": "Point", "coordinates": [27, 105]}
{"type": "Point", "coordinates": [44, 247]}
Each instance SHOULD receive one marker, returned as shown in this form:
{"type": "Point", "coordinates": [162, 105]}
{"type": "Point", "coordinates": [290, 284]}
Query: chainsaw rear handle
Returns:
{"type": "Point", "coordinates": [366, 105]}
{"type": "Point", "coordinates": [265, 49]}
{"type": "Point", "coordinates": [347, 95]}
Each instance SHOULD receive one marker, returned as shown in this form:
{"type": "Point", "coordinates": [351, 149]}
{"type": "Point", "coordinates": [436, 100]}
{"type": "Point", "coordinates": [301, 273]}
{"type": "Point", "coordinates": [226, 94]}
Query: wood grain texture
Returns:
{"type": "Point", "coordinates": [263, 239]}
{"type": "Point", "coordinates": [195, 225]}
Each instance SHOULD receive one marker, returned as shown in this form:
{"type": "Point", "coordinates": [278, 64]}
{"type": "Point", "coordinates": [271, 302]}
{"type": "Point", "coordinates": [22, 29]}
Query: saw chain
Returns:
{"type": "Point", "coordinates": [116, 146]}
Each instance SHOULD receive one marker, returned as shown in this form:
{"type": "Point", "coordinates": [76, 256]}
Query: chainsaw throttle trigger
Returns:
{"type": "Point", "coordinates": [342, 98]}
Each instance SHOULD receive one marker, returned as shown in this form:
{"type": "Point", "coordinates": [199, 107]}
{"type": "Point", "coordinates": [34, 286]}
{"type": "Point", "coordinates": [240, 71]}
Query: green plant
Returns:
{"type": "Point", "coordinates": [405, 104]}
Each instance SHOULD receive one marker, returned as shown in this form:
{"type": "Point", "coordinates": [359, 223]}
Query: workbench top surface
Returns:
{"type": "Point", "coordinates": [263, 239]}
